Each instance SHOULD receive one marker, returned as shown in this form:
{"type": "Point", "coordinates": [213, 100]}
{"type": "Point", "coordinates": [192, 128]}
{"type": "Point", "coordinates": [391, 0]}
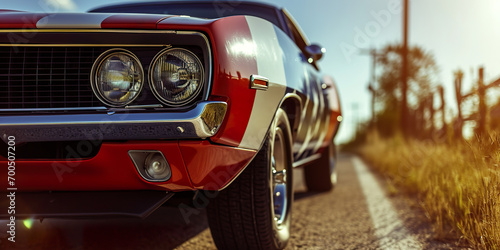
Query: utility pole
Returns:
{"type": "Point", "coordinates": [372, 85]}
{"type": "Point", "coordinates": [404, 74]}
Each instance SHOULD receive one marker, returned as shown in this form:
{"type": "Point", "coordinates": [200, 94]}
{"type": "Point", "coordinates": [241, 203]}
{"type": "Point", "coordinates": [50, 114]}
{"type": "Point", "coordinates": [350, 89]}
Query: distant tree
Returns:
{"type": "Point", "coordinates": [422, 72]}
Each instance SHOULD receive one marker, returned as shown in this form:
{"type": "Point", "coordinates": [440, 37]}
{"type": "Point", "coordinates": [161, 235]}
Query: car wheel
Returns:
{"type": "Point", "coordinates": [254, 211]}
{"type": "Point", "coordinates": [322, 175]}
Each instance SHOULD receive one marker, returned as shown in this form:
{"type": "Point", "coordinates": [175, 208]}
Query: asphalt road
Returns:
{"type": "Point", "coordinates": [352, 216]}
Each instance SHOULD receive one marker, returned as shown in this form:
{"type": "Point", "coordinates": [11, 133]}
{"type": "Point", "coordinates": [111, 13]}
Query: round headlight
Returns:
{"type": "Point", "coordinates": [117, 77]}
{"type": "Point", "coordinates": [176, 76]}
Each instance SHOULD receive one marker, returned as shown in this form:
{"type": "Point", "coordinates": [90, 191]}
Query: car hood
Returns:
{"type": "Point", "coordinates": [24, 20]}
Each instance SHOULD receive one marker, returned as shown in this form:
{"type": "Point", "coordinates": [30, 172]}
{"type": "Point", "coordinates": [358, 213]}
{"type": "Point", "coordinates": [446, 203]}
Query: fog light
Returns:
{"type": "Point", "coordinates": [151, 165]}
{"type": "Point", "coordinates": [156, 166]}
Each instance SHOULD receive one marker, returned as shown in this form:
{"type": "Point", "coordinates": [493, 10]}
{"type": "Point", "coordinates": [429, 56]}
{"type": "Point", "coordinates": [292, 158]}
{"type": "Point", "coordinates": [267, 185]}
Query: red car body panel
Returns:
{"type": "Point", "coordinates": [20, 20]}
{"type": "Point", "coordinates": [212, 167]}
{"type": "Point", "coordinates": [209, 167]}
{"type": "Point", "coordinates": [334, 107]}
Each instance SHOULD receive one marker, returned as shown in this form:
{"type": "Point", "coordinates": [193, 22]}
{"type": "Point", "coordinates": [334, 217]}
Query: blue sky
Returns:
{"type": "Point", "coordinates": [459, 33]}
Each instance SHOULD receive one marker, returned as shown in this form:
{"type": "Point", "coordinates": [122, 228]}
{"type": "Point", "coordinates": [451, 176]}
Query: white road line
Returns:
{"type": "Point", "coordinates": [389, 229]}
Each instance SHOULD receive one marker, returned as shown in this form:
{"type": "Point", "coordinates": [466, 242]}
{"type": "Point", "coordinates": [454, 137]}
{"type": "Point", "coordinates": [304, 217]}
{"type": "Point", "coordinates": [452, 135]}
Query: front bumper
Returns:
{"type": "Point", "coordinates": [109, 184]}
{"type": "Point", "coordinates": [195, 164]}
{"type": "Point", "coordinates": [201, 122]}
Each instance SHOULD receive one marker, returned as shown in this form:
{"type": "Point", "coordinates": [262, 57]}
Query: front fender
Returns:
{"type": "Point", "coordinates": [247, 46]}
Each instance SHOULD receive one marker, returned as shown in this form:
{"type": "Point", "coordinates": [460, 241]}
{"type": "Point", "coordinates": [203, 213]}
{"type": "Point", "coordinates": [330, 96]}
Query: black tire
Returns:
{"type": "Point", "coordinates": [242, 216]}
{"type": "Point", "coordinates": [321, 176]}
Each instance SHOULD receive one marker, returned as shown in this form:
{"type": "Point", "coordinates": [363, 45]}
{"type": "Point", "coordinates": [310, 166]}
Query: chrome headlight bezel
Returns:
{"type": "Point", "coordinates": [194, 95]}
{"type": "Point", "coordinates": [96, 67]}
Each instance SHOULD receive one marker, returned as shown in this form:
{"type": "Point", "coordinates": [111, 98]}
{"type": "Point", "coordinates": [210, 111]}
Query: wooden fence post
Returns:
{"type": "Point", "coordinates": [442, 109]}
{"type": "Point", "coordinates": [431, 113]}
{"type": "Point", "coordinates": [458, 94]}
{"type": "Point", "coordinates": [481, 92]}
{"type": "Point", "coordinates": [419, 119]}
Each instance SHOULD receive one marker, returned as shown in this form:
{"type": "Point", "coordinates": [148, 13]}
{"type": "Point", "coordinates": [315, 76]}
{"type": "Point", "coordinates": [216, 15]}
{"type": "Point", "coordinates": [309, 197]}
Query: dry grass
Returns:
{"type": "Point", "coordinates": [458, 184]}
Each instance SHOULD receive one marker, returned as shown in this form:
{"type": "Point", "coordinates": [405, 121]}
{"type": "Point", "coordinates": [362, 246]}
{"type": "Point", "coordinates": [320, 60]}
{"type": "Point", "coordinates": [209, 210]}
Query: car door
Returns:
{"type": "Point", "coordinates": [315, 116]}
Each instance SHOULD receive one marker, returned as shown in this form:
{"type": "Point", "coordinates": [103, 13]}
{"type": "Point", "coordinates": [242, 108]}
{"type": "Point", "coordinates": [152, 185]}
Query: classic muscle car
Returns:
{"type": "Point", "coordinates": [111, 112]}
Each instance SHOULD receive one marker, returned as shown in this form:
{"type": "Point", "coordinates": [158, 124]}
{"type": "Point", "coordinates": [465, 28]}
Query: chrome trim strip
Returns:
{"type": "Point", "coordinates": [201, 122]}
{"type": "Point", "coordinates": [147, 106]}
{"type": "Point", "coordinates": [254, 85]}
{"type": "Point", "coordinates": [53, 109]}
{"type": "Point", "coordinates": [97, 119]}
{"type": "Point", "coordinates": [80, 45]}
{"type": "Point", "coordinates": [307, 160]}
{"type": "Point", "coordinates": [84, 31]}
